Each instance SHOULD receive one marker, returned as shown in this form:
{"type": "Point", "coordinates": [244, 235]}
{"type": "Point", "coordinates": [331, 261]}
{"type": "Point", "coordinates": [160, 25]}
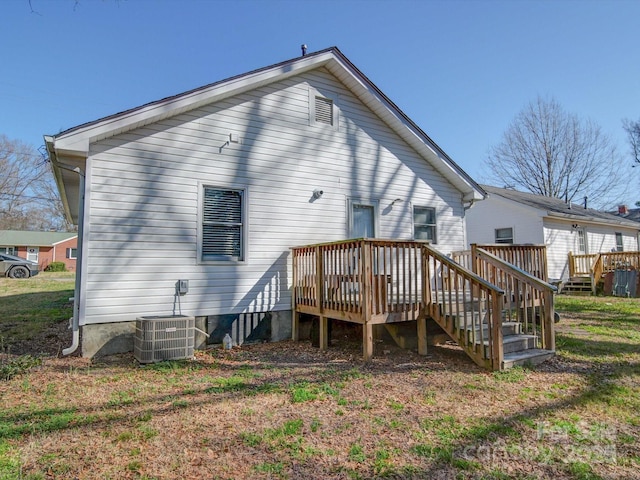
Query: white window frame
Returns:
{"type": "Point", "coordinates": [351, 202]}
{"type": "Point", "coordinates": [432, 225]}
{"type": "Point", "coordinates": [619, 242]}
{"type": "Point", "coordinates": [69, 253]}
{"type": "Point", "coordinates": [244, 230]}
{"type": "Point", "coordinates": [502, 240]}
{"type": "Point", "coordinates": [9, 250]}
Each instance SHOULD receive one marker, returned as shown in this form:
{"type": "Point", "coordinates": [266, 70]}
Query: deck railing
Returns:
{"type": "Point", "coordinates": [580, 264]}
{"type": "Point", "coordinates": [528, 299]}
{"type": "Point", "coordinates": [595, 265]}
{"type": "Point", "coordinates": [530, 258]}
{"type": "Point", "coordinates": [354, 279]}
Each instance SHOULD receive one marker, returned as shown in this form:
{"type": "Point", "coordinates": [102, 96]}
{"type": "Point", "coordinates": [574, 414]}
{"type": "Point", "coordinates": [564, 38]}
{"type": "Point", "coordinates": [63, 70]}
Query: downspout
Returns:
{"type": "Point", "coordinates": [75, 320]}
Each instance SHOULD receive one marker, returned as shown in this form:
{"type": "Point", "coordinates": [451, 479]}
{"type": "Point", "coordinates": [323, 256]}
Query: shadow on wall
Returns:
{"type": "Point", "coordinates": [258, 322]}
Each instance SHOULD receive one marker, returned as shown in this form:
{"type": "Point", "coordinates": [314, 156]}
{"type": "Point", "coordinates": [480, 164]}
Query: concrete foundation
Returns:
{"type": "Point", "coordinates": [98, 340]}
{"type": "Point", "coordinates": [110, 338]}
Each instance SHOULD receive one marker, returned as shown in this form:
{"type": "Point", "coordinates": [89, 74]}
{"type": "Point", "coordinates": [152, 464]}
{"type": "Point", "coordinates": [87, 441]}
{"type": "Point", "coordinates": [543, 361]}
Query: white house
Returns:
{"type": "Point", "coordinates": [509, 216]}
{"type": "Point", "coordinates": [215, 185]}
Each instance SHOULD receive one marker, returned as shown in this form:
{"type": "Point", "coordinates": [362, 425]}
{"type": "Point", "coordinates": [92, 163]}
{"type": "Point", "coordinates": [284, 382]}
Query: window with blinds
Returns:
{"type": "Point", "coordinates": [324, 110]}
{"type": "Point", "coordinates": [222, 224]}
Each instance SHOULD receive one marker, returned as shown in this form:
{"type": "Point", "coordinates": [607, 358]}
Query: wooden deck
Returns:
{"type": "Point", "coordinates": [591, 268]}
{"type": "Point", "coordinates": [373, 282]}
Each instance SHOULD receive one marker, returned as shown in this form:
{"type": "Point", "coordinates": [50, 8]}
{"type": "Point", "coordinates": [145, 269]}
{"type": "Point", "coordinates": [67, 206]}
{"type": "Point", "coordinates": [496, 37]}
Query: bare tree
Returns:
{"type": "Point", "coordinates": [550, 152]}
{"type": "Point", "coordinates": [28, 197]}
{"type": "Point", "coordinates": [633, 135]}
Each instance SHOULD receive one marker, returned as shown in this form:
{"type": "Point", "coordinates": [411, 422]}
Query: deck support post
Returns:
{"type": "Point", "coordinates": [367, 341]}
{"type": "Point", "coordinates": [295, 325]}
{"type": "Point", "coordinates": [421, 325]}
{"type": "Point", "coordinates": [324, 333]}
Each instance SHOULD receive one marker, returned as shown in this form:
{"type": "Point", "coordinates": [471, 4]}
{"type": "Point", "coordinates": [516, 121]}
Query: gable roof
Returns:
{"type": "Point", "coordinates": [68, 149]}
{"type": "Point", "coordinates": [558, 208]}
{"type": "Point", "coordinates": [22, 238]}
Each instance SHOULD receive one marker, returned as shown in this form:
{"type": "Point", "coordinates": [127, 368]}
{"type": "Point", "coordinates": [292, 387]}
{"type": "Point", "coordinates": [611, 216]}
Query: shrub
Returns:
{"type": "Point", "coordinates": [56, 267]}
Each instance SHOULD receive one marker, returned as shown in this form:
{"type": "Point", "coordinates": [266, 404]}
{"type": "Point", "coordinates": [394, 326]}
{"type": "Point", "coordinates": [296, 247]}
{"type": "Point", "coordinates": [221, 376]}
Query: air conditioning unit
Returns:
{"type": "Point", "coordinates": [161, 338]}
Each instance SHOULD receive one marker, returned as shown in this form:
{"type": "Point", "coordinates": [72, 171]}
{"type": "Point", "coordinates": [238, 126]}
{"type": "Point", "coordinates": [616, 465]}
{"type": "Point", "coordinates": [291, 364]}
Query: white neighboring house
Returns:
{"type": "Point", "coordinates": [509, 216]}
{"type": "Point", "coordinates": [215, 185]}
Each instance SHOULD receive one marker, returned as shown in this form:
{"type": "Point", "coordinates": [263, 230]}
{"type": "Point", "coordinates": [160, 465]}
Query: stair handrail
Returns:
{"type": "Point", "coordinates": [540, 290]}
{"type": "Point", "coordinates": [452, 282]}
{"type": "Point", "coordinates": [515, 271]}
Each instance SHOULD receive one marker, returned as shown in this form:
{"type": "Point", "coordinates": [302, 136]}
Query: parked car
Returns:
{"type": "Point", "coordinates": [16, 267]}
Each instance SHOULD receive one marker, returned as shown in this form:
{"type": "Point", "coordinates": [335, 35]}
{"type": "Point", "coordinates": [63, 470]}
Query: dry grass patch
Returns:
{"type": "Point", "coordinates": [289, 411]}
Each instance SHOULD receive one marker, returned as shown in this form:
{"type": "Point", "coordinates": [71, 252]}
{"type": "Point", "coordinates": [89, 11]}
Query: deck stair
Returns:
{"type": "Point", "coordinates": [577, 286]}
{"type": "Point", "coordinates": [519, 347]}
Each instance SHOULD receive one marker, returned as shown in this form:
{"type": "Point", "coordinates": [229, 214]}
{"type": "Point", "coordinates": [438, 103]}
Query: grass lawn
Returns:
{"type": "Point", "coordinates": [30, 307]}
{"type": "Point", "coordinates": [289, 411]}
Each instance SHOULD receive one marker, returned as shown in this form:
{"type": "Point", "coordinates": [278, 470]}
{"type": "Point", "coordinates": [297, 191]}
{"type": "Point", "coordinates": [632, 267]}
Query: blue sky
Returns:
{"type": "Point", "coordinates": [461, 70]}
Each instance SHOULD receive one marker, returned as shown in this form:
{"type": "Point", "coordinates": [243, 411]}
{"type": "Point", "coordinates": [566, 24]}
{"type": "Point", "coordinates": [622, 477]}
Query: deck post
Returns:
{"type": "Point", "coordinates": [495, 332]}
{"type": "Point", "coordinates": [549, 322]}
{"type": "Point", "coordinates": [295, 317]}
{"type": "Point", "coordinates": [475, 261]}
{"type": "Point", "coordinates": [366, 298]}
{"type": "Point", "coordinates": [421, 326]}
{"type": "Point", "coordinates": [367, 341]}
{"type": "Point", "coordinates": [295, 325]}
{"type": "Point", "coordinates": [324, 332]}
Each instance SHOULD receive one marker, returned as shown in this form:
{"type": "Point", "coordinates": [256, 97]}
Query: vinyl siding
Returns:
{"type": "Point", "coordinates": [495, 212]}
{"type": "Point", "coordinates": [531, 225]}
{"type": "Point", "coordinates": [144, 190]}
{"type": "Point", "coordinates": [560, 239]}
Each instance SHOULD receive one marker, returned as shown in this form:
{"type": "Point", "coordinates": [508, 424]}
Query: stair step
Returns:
{"type": "Point", "coordinates": [513, 344]}
{"type": "Point", "coordinates": [518, 343]}
{"type": "Point", "coordinates": [527, 357]}
{"type": "Point", "coordinates": [508, 328]}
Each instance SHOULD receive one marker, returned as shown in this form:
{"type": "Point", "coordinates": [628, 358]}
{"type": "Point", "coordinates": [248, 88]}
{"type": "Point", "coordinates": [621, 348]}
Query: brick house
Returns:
{"type": "Point", "coordinates": [41, 247]}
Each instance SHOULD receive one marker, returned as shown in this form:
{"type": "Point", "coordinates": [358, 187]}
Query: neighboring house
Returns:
{"type": "Point", "coordinates": [41, 247]}
{"type": "Point", "coordinates": [509, 216]}
{"type": "Point", "coordinates": [215, 185]}
{"type": "Point", "coordinates": [627, 213]}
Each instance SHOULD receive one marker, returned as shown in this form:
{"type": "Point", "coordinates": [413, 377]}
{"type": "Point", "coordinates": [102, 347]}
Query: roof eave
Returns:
{"type": "Point", "coordinates": [583, 218]}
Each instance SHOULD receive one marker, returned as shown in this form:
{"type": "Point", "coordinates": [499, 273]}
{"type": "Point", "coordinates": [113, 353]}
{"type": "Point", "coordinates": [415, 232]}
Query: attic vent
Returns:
{"type": "Point", "coordinates": [324, 110]}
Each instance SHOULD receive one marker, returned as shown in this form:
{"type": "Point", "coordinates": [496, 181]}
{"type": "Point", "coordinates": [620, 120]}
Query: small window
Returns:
{"type": "Point", "coordinates": [504, 235]}
{"type": "Point", "coordinates": [619, 242]}
{"type": "Point", "coordinates": [9, 250]}
{"type": "Point", "coordinates": [424, 224]}
{"type": "Point", "coordinates": [32, 253]}
{"type": "Point", "coordinates": [223, 224]}
{"type": "Point", "coordinates": [72, 253]}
